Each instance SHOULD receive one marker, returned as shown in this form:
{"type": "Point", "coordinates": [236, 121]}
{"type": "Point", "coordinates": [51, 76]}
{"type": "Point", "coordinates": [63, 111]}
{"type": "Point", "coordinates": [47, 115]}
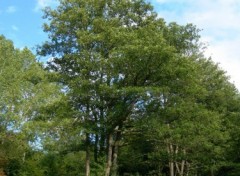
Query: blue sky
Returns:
{"type": "Point", "coordinates": [21, 21]}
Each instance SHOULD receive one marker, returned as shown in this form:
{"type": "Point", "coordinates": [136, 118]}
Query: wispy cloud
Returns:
{"type": "Point", "coordinates": [44, 3]}
{"type": "Point", "coordinates": [220, 21]}
{"type": "Point", "coordinates": [11, 9]}
{"type": "Point", "coordinates": [15, 28]}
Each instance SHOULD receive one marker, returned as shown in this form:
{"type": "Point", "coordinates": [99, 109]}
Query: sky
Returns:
{"type": "Point", "coordinates": [219, 20]}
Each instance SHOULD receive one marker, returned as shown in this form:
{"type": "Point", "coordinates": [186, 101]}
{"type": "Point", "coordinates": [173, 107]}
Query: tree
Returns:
{"type": "Point", "coordinates": [25, 89]}
{"type": "Point", "coordinates": [185, 132]}
{"type": "Point", "coordinates": [109, 55]}
{"type": "Point", "coordinates": [120, 66]}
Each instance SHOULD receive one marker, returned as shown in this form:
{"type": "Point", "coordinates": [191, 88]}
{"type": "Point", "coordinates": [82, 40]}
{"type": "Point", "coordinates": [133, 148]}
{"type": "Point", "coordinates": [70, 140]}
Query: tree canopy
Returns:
{"type": "Point", "coordinates": [124, 93]}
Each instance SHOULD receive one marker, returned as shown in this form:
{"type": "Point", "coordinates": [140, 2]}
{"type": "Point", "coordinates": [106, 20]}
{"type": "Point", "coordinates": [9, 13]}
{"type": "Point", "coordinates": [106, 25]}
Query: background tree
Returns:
{"type": "Point", "coordinates": [25, 89]}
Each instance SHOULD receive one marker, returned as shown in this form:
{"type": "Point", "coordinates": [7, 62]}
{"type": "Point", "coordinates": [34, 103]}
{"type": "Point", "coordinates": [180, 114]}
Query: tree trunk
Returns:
{"type": "Point", "coordinates": [171, 168]}
{"type": "Point", "coordinates": [183, 163]}
{"type": "Point", "coordinates": [102, 136]}
{"type": "Point", "coordinates": [171, 163]}
{"type": "Point", "coordinates": [114, 159]}
{"type": "Point", "coordinates": [170, 153]}
{"type": "Point", "coordinates": [87, 161]}
{"type": "Point", "coordinates": [96, 148]}
{"type": "Point", "coordinates": [188, 168]}
{"type": "Point", "coordinates": [176, 163]}
{"type": "Point", "coordinates": [115, 151]}
{"type": "Point", "coordinates": [109, 157]}
{"type": "Point", "coordinates": [182, 168]}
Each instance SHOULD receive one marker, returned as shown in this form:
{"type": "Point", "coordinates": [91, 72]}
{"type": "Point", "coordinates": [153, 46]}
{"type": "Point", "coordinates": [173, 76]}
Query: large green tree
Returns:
{"type": "Point", "coordinates": [121, 66]}
{"type": "Point", "coordinates": [110, 55]}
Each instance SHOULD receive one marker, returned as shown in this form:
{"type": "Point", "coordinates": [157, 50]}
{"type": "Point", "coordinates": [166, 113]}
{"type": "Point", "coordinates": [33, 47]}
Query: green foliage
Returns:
{"type": "Point", "coordinates": [125, 92]}
{"type": "Point", "coordinates": [25, 90]}
{"type": "Point", "coordinates": [133, 77]}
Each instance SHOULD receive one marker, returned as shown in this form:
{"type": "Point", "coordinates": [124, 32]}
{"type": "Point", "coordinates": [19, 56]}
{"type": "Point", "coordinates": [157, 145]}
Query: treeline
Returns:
{"type": "Point", "coordinates": [124, 93]}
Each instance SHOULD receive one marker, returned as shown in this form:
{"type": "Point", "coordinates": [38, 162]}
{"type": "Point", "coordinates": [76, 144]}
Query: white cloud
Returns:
{"type": "Point", "coordinates": [11, 9]}
{"type": "Point", "coordinates": [227, 53]}
{"type": "Point", "coordinates": [41, 4]}
{"type": "Point", "coordinates": [15, 28]}
{"type": "Point", "coordinates": [220, 21]}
